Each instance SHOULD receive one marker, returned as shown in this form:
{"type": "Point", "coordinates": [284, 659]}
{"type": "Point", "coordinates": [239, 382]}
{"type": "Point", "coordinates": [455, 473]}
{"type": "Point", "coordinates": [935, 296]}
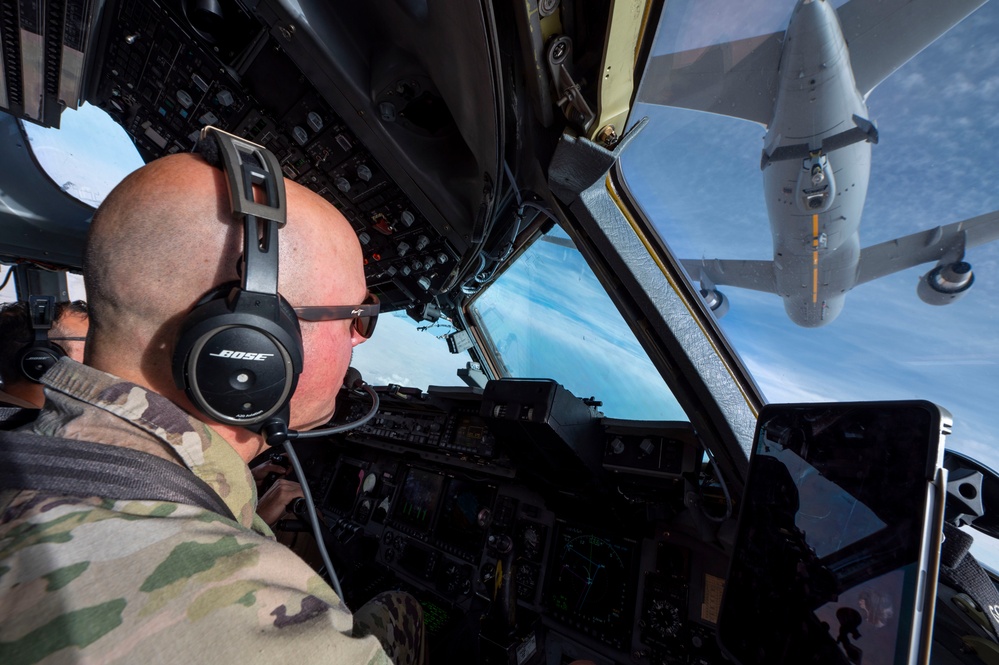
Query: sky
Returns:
{"type": "Point", "coordinates": [698, 178]}
{"type": "Point", "coordinates": [86, 157]}
{"type": "Point", "coordinates": [408, 353]}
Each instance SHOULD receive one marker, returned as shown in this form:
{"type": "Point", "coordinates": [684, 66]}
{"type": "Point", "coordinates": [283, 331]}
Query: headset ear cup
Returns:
{"type": "Point", "coordinates": [236, 367]}
{"type": "Point", "coordinates": [38, 359]}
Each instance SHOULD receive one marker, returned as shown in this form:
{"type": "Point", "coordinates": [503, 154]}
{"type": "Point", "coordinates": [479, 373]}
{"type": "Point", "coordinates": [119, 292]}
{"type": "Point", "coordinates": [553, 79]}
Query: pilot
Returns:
{"type": "Point", "coordinates": [68, 332]}
{"type": "Point", "coordinates": [145, 581]}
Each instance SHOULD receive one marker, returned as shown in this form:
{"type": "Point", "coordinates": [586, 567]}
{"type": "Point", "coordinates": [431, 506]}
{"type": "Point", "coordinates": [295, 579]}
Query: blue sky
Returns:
{"type": "Point", "coordinates": [698, 178]}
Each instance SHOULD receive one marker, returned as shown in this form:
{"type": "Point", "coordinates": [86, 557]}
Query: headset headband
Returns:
{"type": "Point", "coordinates": [41, 354]}
{"type": "Point", "coordinates": [239, 351]}
{"type": "Point", "coordinates": [41, 310]}
{"type": "Point", "coordinates": [247, 164]}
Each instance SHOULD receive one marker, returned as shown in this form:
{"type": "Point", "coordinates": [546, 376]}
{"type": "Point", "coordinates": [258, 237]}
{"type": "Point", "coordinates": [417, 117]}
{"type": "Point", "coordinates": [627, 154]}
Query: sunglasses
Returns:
{"type": "Point", "coordinates": [364, 316]}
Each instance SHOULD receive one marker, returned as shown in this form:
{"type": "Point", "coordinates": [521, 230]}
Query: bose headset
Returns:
{"type": "Point", "coordinates": [41, 354]}
{"type": "Point", "coordinates": [239, 352]}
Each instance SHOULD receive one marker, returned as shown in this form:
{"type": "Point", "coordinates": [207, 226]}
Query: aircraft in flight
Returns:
{"type": "Point", "coordinates": [808, 86]}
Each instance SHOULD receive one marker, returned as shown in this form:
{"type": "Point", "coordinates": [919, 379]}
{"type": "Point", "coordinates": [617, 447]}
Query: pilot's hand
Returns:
{"type": "Point", "coordinates": [274, 503]}
{"type": "Point", "coordinates": [261, 470]}
{"type": "Point", "coordinates": [265, 474]}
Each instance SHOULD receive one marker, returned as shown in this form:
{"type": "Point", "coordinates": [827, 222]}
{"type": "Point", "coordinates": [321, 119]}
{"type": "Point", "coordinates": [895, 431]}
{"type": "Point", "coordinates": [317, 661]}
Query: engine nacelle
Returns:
{"type": "Point", "coordinates": [945, 284]}
{"type": "Point", "coordinates": [716, 301]}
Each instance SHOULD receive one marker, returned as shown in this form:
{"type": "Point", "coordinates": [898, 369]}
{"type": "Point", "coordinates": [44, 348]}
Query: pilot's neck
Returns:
{"type": "Point", "coordinates": [26, 391]}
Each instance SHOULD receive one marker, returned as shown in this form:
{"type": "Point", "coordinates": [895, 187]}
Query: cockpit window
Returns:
{"type": "Point", "coordinates": [756, 218]}
{"type": "Point", "coordinates": [88, 156]}
{"type": "Point", "coordinates": [411, 354]}
{"type": "Point", "coordinates": [547, 316]}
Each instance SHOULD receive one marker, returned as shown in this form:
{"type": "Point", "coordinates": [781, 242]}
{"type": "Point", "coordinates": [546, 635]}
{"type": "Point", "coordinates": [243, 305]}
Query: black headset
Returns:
{"type": "Point", "coordinates": [239, 352]}
{"type": "Point", "coordinates": [41, 354]}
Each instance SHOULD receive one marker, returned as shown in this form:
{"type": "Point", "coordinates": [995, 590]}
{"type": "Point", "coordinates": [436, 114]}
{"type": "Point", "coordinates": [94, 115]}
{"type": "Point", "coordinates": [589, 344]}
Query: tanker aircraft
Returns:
{"type": "Point", "coordinates": [808, 86]}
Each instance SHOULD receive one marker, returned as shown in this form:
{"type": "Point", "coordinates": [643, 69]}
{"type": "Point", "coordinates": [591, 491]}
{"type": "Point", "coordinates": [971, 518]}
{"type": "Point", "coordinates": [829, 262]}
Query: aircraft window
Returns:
{"type": "Point", "coordinates": [697, 176]}
{"type": "Point", "coordinates": [88, 156]}
{"type": "Point", "coordinates": [408, 353]}
{"type": "Point", "coordinates": [8, 292]}
{"type": "Point", "coordinates": [547, 316]}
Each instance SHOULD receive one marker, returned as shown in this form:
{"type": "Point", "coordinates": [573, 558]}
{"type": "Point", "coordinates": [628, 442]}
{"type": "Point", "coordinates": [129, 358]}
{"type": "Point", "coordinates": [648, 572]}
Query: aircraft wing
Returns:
{"type": "Point", "coordinates": [745, 274]}
{"type": "Point", "coordinates": [737, 79]}
{"type": "Point", "coordinates": [882, 36]}
{"type": "Point", "coordinates": [944, 242]}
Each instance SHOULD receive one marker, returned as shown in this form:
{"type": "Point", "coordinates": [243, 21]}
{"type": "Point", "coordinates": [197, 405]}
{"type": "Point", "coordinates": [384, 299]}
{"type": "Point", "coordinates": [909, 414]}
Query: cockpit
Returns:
{"type": "Point", "coordinates": [586, 302]}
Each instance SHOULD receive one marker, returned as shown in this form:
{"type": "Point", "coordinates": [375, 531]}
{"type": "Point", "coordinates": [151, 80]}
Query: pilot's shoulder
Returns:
{"type": "Point", "coordinates": [123, 579]}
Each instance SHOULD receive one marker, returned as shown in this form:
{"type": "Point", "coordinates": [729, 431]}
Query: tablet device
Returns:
{"type": "Point", "coordinates": [837, 551]}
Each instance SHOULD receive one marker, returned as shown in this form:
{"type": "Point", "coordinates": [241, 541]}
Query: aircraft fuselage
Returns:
{"type": "Point", "coordinates": [815, 201]}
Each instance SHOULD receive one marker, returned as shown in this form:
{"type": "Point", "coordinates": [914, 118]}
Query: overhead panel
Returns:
{"type": "Point", "coordinates": [43, 56]}
{"type": "Point", "coordinates": [168, 71]}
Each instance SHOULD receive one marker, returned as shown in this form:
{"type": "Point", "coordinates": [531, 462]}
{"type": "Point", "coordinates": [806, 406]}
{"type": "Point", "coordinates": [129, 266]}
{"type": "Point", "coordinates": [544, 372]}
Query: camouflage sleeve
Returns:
{"type": "Point", "coordinates": [396, 619]}
{"type": "Point", "coordinates": [141, 581]}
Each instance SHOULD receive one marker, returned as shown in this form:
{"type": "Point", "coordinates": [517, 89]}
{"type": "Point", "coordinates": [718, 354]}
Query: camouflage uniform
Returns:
{"type": "Point", "coordinates": [97, 580]}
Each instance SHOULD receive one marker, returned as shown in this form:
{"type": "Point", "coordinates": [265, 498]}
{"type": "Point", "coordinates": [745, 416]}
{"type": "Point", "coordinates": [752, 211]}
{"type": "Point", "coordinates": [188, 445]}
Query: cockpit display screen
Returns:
{"type": "Point", "coordinates": [418, 499]}
{"type": "Point", "coordinates": [459, 521]}
{"type": "Point", "coordinates": [838, 524]}
{"type": "Point", "coordinates": [471, 435]}
{"type": "Point", "coordinates": [346, 485]}
{"type": "Point", "coordinates": [588, 585]}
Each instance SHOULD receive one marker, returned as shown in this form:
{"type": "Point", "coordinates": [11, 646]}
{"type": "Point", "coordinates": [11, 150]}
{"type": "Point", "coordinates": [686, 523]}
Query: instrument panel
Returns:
{"type": "Point", "coordinates": [431, 496]}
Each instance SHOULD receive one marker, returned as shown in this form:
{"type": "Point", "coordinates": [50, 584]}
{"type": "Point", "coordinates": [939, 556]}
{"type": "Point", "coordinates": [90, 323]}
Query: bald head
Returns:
{"type": "Point", "coordinates": [166, 236]}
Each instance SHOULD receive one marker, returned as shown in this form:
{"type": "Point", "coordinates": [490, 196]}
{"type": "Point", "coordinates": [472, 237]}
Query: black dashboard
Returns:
{"type": "Point", "coordinates": [528, 525]}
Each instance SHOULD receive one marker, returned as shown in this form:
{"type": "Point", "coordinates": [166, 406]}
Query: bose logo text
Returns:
{"type": "Point", "coordinates": [241, 355]}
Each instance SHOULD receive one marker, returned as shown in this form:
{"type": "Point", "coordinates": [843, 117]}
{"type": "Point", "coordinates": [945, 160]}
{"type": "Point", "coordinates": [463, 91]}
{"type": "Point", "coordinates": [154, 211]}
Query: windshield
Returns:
{"type": "Point", "coordinates": [698, 178]}
{"type": "Point", "coordinates": [409, 354]}
{"type": "Point", "coordinates": [547, 316]}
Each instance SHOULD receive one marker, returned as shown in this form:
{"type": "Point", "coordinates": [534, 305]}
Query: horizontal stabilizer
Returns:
{"type": "Point", "coordinates": [863, 131]}
{"type": "Point", "coordinates": [739, 78]}
{"type": "Point", "coordinates": [943, 243]}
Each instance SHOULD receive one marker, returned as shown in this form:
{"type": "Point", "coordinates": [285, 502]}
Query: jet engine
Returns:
{"type": "Point", "coordinates": [716, 301]}
{"type": "Point", "coordinates": [945, 283]}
